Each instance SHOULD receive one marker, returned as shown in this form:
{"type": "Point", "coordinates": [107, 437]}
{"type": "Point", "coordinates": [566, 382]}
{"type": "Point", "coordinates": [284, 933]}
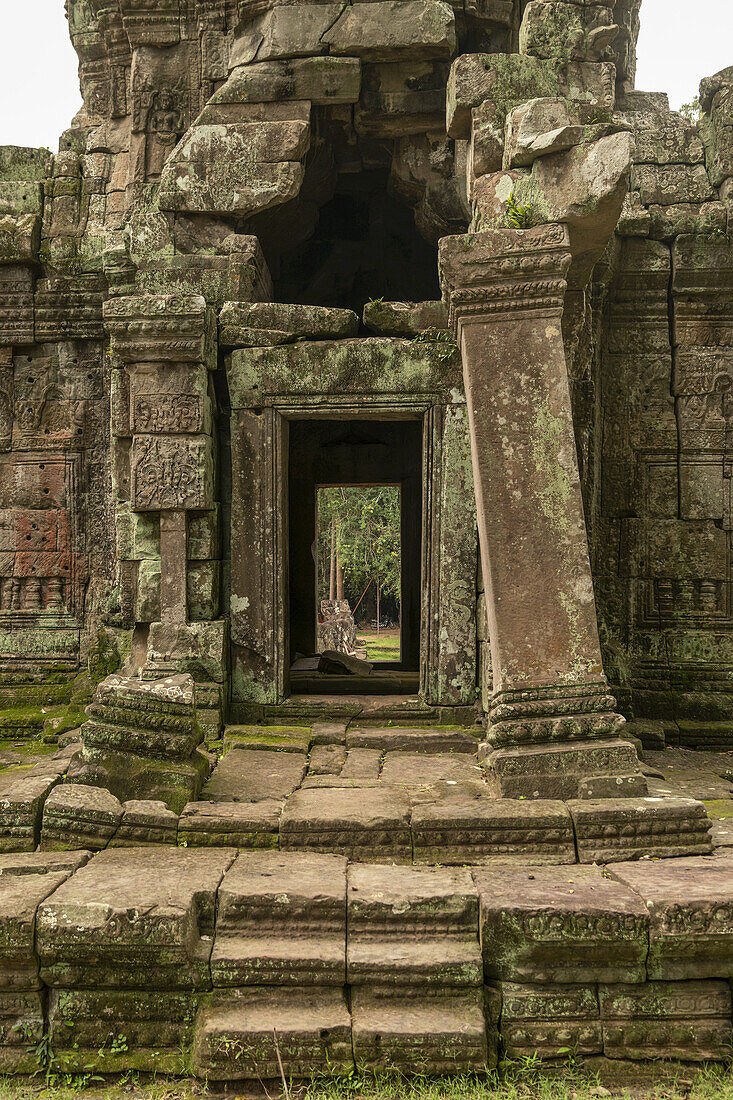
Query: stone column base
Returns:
{"type": "Point", "coordinates": [564, 770]}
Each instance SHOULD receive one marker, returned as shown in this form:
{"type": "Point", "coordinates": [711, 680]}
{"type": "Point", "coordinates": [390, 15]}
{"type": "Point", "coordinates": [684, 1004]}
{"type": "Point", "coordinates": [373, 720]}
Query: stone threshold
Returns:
{"type": "Point", "coordinates": [436, 970]}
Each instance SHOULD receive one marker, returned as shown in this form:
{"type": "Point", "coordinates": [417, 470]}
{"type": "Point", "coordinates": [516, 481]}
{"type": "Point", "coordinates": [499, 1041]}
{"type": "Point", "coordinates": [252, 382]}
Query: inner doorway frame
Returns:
{"type": "Point", "coordinates": [375, 378]}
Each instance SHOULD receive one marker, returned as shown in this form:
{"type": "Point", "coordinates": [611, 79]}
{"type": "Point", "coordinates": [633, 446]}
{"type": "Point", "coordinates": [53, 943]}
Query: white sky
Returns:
{"type": "Point", "coordinates": [681, 41]}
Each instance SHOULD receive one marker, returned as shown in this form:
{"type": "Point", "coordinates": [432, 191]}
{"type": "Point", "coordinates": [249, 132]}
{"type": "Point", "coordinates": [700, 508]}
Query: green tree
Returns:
{"type": "Point", "coordinates": [361, 527]}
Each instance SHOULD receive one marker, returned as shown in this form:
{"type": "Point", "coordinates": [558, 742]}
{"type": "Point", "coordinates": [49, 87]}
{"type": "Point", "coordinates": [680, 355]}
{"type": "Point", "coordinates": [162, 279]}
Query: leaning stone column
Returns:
{"type": "Point", "coordinates": [552, 725]}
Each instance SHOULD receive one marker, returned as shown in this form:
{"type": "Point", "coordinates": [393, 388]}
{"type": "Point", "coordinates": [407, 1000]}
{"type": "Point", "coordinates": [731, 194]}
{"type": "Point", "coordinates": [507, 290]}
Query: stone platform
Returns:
{"type": "Point", "coordinates": [372, 794]}
{"type": "Point", "coordinates": [171, 959]}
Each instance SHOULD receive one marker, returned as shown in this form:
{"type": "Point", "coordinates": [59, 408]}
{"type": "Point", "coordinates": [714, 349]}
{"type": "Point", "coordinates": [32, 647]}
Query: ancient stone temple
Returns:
{"type": "Point", "coordinates": [442, 245]}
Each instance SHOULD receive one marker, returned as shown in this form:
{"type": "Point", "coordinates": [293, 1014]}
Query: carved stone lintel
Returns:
{"type": "Point", "coordinates": [160, 328]}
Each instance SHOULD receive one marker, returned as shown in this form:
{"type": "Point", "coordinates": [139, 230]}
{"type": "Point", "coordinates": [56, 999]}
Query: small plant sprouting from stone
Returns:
{"type": "Point", "coordinates": [376, 301]}
{"type": "Point", "coordinates": [439, 339]}
{"type": "Point", "coordinates": [517, 217]}
{"type": "Point", "coordinates": [692, 110]}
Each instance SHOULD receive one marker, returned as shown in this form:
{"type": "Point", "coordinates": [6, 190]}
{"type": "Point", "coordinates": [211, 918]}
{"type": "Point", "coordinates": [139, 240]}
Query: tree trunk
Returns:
{"type": "Point", "coordinates": [332, 578]}
{"type": "Point", "coordinates": [339, 579]}
{"type": "Point", "coordinates": [377, 605]}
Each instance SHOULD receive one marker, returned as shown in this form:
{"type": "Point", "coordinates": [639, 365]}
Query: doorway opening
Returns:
{"type": "Point", "coordinates": [359, 571]}
{"type": "Point", "coordinates": [355, 538]}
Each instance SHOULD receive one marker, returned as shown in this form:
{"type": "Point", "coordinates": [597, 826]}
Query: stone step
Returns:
{"type": "Point", "coordinates": [239, 1038]}
{"type": "Point", "coordinates": [295, 960]}
{"type": "Point", "coordinates": [416, 1033]}
{"type": "Point", "coordinates": [422, 739]}
{"type": "Point", "coordinates": [438, 963]}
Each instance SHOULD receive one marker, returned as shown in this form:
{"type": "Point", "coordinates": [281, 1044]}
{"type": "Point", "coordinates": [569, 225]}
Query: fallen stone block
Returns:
{"type": "Point", "coordinates": [443, 1033]}
{"type": "Point", "coordinates": [408, 319]}
{"type": "Point", "coordinates": [550, 1021]}
{"type": "Point", "coordinates": [374, 826]}
{"type": "Point", "coordinates": [610, 829]}
{"type": "Point", "coordinates": [145, 822]}
{"type": "Point", "coordinates": [690, 907]}
{"type": "Point", "coordinates": [76, 816]}
{"type": "Point", "coordinates": [130, 913]}
{"type": "Point", "coordinates": [560, 925]}
{"type": "Point", "coordinates": [250, 775]}
{"type": "Point", "coordinates": [235, 1039]}
{"type": "Point", "coordinates": [235, 824]}
{"type": "Point", "coordinates": [21, 811]}
{"type": "Point", "coordinates": [686, 1021]}
{"type": "Point", "coordinates": [115, 1030]}
{"type": "Point", "coordinates": [401, 98]}
{"type": "Point", "coordinates": [283, 31]}
{"type": "Point", "coordinates": [281, 920]}
{"type": "Point", "coordinates": [477, 830]}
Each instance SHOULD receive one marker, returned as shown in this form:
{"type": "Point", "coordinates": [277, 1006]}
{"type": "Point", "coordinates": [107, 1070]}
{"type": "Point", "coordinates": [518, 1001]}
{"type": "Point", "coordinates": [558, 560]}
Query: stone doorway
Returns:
{"type": "Point", "coordinates": [354, 452]}
{"type": "Point", "coordinates": [398, 387]}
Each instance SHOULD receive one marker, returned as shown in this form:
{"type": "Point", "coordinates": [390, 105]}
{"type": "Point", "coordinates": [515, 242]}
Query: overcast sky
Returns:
{"type": "Point", "coordinates": [681, 41]}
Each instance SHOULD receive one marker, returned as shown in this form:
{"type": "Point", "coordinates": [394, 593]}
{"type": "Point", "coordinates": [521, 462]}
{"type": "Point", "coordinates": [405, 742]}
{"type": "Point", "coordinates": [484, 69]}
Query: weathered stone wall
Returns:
{"type": "Point", "coordinates": [212, 132]}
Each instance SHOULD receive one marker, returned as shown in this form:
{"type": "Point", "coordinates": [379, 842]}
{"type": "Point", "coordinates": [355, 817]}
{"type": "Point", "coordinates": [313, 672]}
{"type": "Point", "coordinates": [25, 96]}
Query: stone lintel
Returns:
{"type": "Point", "coordinates": [156, 328]}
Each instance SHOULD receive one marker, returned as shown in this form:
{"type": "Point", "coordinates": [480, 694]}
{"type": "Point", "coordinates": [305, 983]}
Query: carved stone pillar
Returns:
{"type": "Point", "coordinates": [163, 462]}
{"type": "Point", "coordinates": [552, 725]}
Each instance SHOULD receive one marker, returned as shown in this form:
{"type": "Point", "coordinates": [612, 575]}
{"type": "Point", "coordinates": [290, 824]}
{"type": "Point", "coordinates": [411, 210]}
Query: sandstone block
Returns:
{"type": "Point", "coordinates": [320, 80]}
{"type": "Point", "coordinates": [662, 137]}
{"type": "Point", "coordinates": [669, 184]}
{"type": "Point", "coordinates": [20, 896]}
{"type": "Point", "coordinates": [411, 771]}
{"type": "Point", "coordinates": [690, 906]}
{"type": "Point", "coordinates": [235, 169]}
{"type": "Point", "coordinates": [372, 827]}
{"type": "Point", "coordinates": [284, 31]}
{"type": "Point", "coordinates": [145, 821]}
{"type": "Point", "coordinates": [21, 1029]}
{"type": "Point", "coordinates": [77, 816]}
{"type": "Point", "coordinates": [302, 321]}
{"type": "Point", "coordinates": [560, 925]}
{"type": "Point", "coordinates": [499, 82]}
{"type": "Point", "coordinates": [250, 775]}
{"type": "Point", "coordinates": [566, 30]}
{"type": "Point", "coordinates": [21, 811]}
{"type": "Point", "coordinates": [394, 29]}
{"type": "Point", "coordinates": [410, 901]}
{"type": "Point", "coordinates": [689, 1021]}
{"type": "Point", "coordinates": [129, 913]}
{"type": "Point", "coordinates": [114, 1029]}
{"type": "Point", "coordinates": [633, 828]}
{"type": "Point", "coordinates": [361, 763]}
{"type": "Point", "coordinates": [235, 1039]}
{"type": "Point", "coordinates": [556, 771]}
{"type": "Point", "coordinates": [550, 1020]}
{"type": "Point", "coordinates": [481, 830]}
{"type": "Point", "coordinates": [326, 760]}
{"type": "Point", "coordinates": [405, 319]}
{"type": "Point", "coordinates": [281, 920]}
{"type": "Point", "coordinates": [239, 824]}
{"type": "Point", "coordinates": [439, 1034]}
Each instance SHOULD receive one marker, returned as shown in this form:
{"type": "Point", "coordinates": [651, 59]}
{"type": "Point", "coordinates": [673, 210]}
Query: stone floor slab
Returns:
{"type": "Point", "coordinates": [250, 775]}
{"type": "Point", "coordinates": [409, 770]}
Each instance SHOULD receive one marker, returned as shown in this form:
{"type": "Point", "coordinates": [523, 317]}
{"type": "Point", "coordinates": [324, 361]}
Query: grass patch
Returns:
{"type": "Point", "coordinates": [384, 646]}
{"type": "Point", "coordinates": [664, 1081]}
